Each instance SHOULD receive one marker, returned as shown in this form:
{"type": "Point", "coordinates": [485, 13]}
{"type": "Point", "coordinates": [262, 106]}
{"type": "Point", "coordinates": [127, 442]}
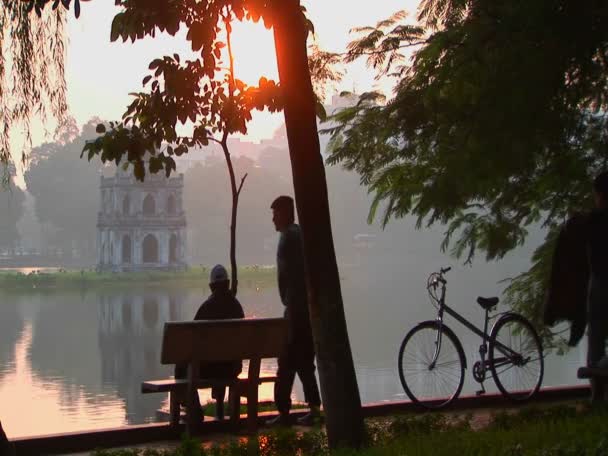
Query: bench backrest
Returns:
{"type": "Point", "coordinates": [220, 340]}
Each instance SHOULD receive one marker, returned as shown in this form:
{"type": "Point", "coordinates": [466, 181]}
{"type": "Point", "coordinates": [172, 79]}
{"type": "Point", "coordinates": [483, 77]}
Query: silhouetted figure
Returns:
{"type": "Point", "coordinates": [566, 297]}
{"type": "Point", "coordinates": [221, 305]}
{"type": "Point", "coordinates": [299, 356]}
{"type": "Point", "coordinates": [597, 309]}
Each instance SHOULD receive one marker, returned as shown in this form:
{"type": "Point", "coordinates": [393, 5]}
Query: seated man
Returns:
{"type": "Point", "coordinates": [221, 305]}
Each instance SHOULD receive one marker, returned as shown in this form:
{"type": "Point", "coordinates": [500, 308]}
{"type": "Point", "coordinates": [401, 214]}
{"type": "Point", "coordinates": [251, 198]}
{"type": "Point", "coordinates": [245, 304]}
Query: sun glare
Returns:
{"type": "Point", "coordinates": [254, 55]}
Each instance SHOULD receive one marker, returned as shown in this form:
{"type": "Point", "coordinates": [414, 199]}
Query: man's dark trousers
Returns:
{"type": "Point", "coordinates": [597, 332]}
{"type": "Point", "coordinates": [298, 359]}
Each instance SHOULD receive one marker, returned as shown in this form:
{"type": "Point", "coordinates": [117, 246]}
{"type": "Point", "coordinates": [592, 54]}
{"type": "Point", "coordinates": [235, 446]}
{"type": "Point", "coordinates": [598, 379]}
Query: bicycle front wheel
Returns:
{"type": "Point", "coordinates": [516, 357]}
{"type": "Point", "coordinates": [431, 384]}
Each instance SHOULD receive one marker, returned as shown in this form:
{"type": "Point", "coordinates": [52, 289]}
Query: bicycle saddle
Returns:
{"type": "Point", "coordinates": [487, 303]}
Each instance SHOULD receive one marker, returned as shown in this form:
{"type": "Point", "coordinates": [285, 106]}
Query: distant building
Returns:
{"type": "Point", "coordinates": [141, 225]}
{"type": "Point", "coordinates": [364, 240]}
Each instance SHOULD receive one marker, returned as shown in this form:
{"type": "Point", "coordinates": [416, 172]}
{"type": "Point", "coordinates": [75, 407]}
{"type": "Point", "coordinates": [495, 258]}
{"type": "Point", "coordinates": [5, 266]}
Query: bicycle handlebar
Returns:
{"type": "Point", "coordinates": [438, 276]}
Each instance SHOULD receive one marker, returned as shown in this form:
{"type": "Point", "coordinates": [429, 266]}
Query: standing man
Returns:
{"type": "Point", "coordinates": [299, 357]}
{"type": "Point", "coordinates": [597, 314]}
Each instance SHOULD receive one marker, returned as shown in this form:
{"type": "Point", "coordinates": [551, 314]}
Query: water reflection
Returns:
{"type": "Point", "coordinates": [11, 326]}
{"type": "Point", "coordinates": [129, 334]}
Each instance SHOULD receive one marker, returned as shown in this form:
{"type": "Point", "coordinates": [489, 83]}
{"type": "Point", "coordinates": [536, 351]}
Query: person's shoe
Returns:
{"type": "Point", "coordinates": [309, 419]}
{"type": "Point", "coordinates": [279, 420]}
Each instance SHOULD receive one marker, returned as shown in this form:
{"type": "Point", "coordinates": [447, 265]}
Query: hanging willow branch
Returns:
{"type": "Point", "coordinates": [32, 71]}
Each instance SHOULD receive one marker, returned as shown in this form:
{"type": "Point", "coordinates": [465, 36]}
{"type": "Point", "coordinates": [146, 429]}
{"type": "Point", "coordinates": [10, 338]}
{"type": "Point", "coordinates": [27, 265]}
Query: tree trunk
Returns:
{"type": "Point", "coordinates": [6, 448]}
{"type": "Point", "coordinates": [234, 282]}
{"type": "Point", "coordinates": [339, 388]}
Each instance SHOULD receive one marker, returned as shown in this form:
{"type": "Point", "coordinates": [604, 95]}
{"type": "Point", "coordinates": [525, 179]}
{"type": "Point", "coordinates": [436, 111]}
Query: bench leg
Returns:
{"type": "Point", "coordinates": [193, 406]}
{"type": "Point", "coordinates": [219, 409]}
{"type": "Point", "coordinates": [234, 399]}
{"type": "Point", "coordinates": [252, 394]}
{"type": "Point", "coordinates": [252, 408]}
{"type": "Point", "coordinates": [193, 413]}
{"type": "Point", "coordinates": [174, 407]}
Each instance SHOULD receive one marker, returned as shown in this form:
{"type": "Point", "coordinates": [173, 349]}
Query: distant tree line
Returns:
{"type": "Point", "coordinates": [12, 207]}
{"type": "Point", "coordinates": [66, 194]}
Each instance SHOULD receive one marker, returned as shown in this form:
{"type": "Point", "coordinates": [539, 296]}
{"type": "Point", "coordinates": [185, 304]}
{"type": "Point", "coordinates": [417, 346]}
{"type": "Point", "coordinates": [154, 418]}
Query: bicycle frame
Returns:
{"type": "Point", "coordinates": [510, 354]}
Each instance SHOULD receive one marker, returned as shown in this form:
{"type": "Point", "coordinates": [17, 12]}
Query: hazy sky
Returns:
{"type": "Point", "coordinates": [101, 74]}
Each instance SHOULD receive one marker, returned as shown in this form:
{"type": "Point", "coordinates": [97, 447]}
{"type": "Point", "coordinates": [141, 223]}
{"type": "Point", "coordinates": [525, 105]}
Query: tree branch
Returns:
{"type": "Point", "coordinates": [228, 25]}
{"type": "Point", "coordinates": [238, 192]}
{"type": "Point", "coordinates": [383, 51]}
{"type": "Point", "coordinates": [215, 140]}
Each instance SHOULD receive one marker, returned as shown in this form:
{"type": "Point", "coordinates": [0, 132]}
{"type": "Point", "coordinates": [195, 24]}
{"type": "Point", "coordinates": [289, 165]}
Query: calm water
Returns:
{"type": "Point", "coordinates": [74, 360]}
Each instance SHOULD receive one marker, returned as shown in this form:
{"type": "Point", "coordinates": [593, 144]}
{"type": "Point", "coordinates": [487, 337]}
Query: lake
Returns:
{"type": "Point", "coordinates": [74, 359]}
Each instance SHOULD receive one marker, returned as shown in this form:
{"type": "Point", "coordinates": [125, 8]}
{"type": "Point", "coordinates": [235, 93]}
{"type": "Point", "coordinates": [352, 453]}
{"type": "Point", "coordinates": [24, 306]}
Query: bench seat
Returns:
{"type": "Point", "coordinates": [592, 372]}
{"type": "Point", "coordinates": [164, 386]}
{"type": "Point", "coordinates": [176, 384]}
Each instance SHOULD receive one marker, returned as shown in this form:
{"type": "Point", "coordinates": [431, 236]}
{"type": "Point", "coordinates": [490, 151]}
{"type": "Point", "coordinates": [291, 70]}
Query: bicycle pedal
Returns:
{"type": "Point", "coordinates": [480, 393]}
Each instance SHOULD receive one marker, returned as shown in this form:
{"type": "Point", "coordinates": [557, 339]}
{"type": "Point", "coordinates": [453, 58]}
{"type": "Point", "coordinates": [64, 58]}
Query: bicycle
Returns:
{"type": "Point", "coordinates": [432, 361]}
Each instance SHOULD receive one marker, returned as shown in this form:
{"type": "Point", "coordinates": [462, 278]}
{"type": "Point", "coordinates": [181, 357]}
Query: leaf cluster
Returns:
{"type": "Point", "coordinates": [325, 70]}
{"type": "Point", "coordinates": [525, 293]}
{"type": "Point", "coordinates": [38, 6]}
{"type": "Point", "coordinates": [382, 44]}
{"type": "Point", "coordinates": [134, 145]}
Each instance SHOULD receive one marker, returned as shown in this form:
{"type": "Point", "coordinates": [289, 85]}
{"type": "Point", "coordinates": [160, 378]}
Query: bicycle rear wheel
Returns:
{"type": "Point", "coordinates": [516, 357]}
{"type": "Point", "coordinates": [431, 386]}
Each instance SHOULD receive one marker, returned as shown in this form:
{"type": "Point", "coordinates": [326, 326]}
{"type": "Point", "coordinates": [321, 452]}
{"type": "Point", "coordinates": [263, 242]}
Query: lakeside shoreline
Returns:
{"type": "Point", "coordinates": [70, 278]}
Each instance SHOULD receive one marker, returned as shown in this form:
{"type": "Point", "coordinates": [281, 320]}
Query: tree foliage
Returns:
{"type": "Point", "coordinates": [383, 45]}
{"type": "Point", "coordinates": [497, 123]}
{"type": "Point", "coordinates": [325, 70]}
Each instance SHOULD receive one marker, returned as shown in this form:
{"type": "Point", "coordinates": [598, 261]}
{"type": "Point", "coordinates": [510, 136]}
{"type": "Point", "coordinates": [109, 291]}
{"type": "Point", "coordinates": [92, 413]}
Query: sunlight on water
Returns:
{"type": "Point", "coordinates": [34, 406]}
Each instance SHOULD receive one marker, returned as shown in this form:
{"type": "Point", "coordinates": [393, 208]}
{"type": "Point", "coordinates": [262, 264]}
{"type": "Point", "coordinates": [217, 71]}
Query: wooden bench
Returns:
{"type": "Point", "coordinates": [191, 342]}
{"type": "Point", "coordinates": [594, 373]}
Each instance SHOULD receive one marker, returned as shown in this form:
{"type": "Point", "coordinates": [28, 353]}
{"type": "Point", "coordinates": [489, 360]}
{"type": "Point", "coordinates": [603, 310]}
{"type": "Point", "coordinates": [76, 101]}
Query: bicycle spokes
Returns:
{"type": "Point", "coordinates": [431, 365]}
{"type": "Point", "coordinates": [516, 358]}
